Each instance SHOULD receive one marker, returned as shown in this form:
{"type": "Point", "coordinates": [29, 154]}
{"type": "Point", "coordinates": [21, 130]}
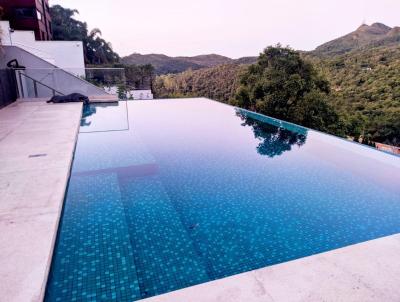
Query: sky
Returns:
{"type": "Point", "coordinates": [228, 27]}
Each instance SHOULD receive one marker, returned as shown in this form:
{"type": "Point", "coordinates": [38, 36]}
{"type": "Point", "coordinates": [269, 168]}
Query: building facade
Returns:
{"type": "Point", "coordinates": [33, 15]}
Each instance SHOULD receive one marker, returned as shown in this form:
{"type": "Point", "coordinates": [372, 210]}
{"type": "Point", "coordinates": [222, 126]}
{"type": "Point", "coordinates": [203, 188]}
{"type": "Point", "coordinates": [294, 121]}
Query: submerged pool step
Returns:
{"type": "Point", "coordinates": [93, 259]}
{"type": "Point", "coordinates": [165, 256]}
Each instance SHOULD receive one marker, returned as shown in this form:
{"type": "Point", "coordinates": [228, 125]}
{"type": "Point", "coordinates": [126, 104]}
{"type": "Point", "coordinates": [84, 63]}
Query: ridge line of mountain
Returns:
{"type": "Point", "coordinates": [365, 36]}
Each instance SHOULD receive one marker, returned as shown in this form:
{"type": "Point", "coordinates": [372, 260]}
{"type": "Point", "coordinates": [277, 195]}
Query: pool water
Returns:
{"type": "Point", "coordinates": [168, 194]}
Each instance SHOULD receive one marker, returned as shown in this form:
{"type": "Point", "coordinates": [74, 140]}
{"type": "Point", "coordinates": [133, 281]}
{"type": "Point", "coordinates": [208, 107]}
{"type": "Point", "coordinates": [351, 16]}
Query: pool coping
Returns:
{"type": "Point", "coordinates": [37, 143]}
{"type": "Point", "coordinates": [367, 271]}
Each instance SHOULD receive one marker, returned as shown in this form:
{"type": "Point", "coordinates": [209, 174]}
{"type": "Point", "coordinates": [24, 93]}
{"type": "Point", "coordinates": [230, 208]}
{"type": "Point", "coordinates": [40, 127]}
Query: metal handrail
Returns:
{"type": "Point", "coordinates": [35, 82]}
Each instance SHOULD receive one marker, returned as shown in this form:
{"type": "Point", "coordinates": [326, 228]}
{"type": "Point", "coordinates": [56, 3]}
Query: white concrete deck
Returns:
{"type": "Point", "coordinates": [37, 141]}
{"type": "Point", "coordinates": [368, 271]}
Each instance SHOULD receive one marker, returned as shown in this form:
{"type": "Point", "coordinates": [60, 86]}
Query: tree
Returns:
{"type": "Point", "coordinates": [139, 76]}
{"type": "Point", "coordinates": [65, 27]}
{"type": "Point", "coordinates": [283, 85]}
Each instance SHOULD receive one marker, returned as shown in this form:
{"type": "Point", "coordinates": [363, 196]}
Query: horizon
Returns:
{"type": "Point", "coordinates": [231, 29]}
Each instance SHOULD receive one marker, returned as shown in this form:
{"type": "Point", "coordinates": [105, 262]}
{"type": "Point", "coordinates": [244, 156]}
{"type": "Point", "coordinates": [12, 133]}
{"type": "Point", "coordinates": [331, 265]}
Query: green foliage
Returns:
{"type": "Point", "coordinates": [125, 77]}
{"type": "Point", "coordinates": [366, 91]}
{"type": "Point", "coordinates": [218, 83]}
{"type": "Point", "coordinates": [121, 92]}
{"type": "Point", "coordinates": [139, 76]}
{"type": "Point", "coordinates": [283, 85]}
{"type": "Point", "coordinates": [65, 27]}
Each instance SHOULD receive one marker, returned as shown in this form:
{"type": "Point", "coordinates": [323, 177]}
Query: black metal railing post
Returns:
{"type": "Point", "coordinates": [35, 88]}
{"type": "Point", "coordinates": [36, 82]}
{"type": "Point", "coordinates": [20, 84]}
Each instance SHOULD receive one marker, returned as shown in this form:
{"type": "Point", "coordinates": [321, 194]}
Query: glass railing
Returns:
{"type": "Point", "coordinates": [92, 82]}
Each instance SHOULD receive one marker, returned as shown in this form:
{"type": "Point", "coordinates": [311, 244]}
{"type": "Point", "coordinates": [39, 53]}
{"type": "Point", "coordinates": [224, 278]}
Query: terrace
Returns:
{"type": "Point", "coordinates": [190, 200]}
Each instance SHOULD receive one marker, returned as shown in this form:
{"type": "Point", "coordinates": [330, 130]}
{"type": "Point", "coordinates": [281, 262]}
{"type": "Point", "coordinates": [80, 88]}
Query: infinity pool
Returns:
{"type": "Point", "coordinates": [172, 193]}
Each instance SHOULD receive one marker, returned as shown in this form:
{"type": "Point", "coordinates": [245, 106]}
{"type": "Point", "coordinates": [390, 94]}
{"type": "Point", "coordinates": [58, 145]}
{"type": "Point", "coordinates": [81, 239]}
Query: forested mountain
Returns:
{"type": "Point", "coordinates": [362, 69]}
{"type": "Point", "coordinates": [366, 90]}
{"type": "Point", "coordinates": [366, 36]}
{"type": "Point", "coordinates": [164, 64]}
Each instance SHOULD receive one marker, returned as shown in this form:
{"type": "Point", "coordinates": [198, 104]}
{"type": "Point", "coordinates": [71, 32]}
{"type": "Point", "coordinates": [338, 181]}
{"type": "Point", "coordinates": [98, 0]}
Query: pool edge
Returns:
{"type": "Point", "coordinates": [366, 271]}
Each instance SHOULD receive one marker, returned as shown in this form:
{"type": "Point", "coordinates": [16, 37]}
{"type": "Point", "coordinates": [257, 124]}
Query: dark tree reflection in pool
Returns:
{"type": "Point", "coordinates": [87, 111]}
{"type": "Point", "coordinates": [105, 117]}
{"type": "Point", "coordinates": [274, 139]}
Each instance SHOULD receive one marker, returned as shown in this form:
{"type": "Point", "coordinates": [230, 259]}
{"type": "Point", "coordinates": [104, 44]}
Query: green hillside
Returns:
{"type": "Point", "coordinates": [166, 65]}
{"type": "Point", "coordinates": [365, 87]}
{"type": "Point", "coordinates": [218, 83]}
{"type": "Point", "coordinates": [366, 36]}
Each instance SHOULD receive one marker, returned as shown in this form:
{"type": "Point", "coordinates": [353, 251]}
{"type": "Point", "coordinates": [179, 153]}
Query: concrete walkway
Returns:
{"type": "Point", "coordinates": [369, 271]}
{"type": "Point", "coordinates": [37, 141]}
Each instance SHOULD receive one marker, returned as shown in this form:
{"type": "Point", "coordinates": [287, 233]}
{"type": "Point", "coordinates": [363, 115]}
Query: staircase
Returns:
{"type": "Point", "coordinates": [42, 79]}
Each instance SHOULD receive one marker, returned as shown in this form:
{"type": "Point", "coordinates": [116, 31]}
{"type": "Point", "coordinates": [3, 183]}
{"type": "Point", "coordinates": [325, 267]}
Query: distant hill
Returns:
{"type": "Point", "coordinates": [164, 64]}
{"type": "Point", "coordinates": [246, 60]}
{"type": "Point", "coordinates": [366, 36]}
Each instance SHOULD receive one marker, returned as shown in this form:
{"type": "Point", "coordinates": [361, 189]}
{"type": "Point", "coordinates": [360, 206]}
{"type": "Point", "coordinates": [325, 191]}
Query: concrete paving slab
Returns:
{"type": "Point", "coordinates": [369, 271]}
{"type": "Point", "coordinates": [37, 142]}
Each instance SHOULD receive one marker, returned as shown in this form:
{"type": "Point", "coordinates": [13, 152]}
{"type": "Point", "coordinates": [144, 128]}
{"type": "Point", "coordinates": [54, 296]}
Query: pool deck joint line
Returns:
{"type": "Point", "coordinates": [37, 142]}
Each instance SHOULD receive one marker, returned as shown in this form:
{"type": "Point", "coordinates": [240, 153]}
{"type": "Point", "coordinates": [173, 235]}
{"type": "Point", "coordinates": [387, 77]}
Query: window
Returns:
{"type": "Point", "coordinates": [25, 13]}
{"type": "Point", "coordinates": [38, 15]}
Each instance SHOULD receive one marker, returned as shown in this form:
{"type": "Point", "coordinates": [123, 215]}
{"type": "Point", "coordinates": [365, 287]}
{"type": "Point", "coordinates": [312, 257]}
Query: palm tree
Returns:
{"type": "Point", "coordinates": [65, 27]}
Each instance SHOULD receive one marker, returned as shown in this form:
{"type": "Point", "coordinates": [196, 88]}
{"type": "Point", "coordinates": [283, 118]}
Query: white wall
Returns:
{"type": "Point", "coordinates": [132, 94]}
{"type": "Point", "coordinates": [67, 55]}
{"type": "Point", "coordinates": [140, 94]}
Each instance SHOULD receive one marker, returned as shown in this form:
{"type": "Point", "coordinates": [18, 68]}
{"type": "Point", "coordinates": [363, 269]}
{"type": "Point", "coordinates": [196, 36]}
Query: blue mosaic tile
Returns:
{"type": "Point", "coordinates": [94, 256]}
{"type": "Point", "coordinates": [101, 151]}
{"type": "Point", "coordinates": [164, 253]}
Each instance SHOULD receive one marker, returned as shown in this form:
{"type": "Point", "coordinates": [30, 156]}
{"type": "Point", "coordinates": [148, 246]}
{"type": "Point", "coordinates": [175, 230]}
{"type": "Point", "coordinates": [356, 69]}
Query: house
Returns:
{"type": "Point", "coordinates": [388, 148]}
{"type": "Point", "coordinates": [140, 95]}
{"type": "Point", "coordinates": [31, 15]}
{"type": "Point", "coordinates": [50, 67]}
{"type": "Point", "coordinates": [63, 54]}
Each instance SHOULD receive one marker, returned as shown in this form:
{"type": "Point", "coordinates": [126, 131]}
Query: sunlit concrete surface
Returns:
{"type": "Point", "coordinates": [368, 271]}
{"type": "Point", "coordinates": [37, 142]}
